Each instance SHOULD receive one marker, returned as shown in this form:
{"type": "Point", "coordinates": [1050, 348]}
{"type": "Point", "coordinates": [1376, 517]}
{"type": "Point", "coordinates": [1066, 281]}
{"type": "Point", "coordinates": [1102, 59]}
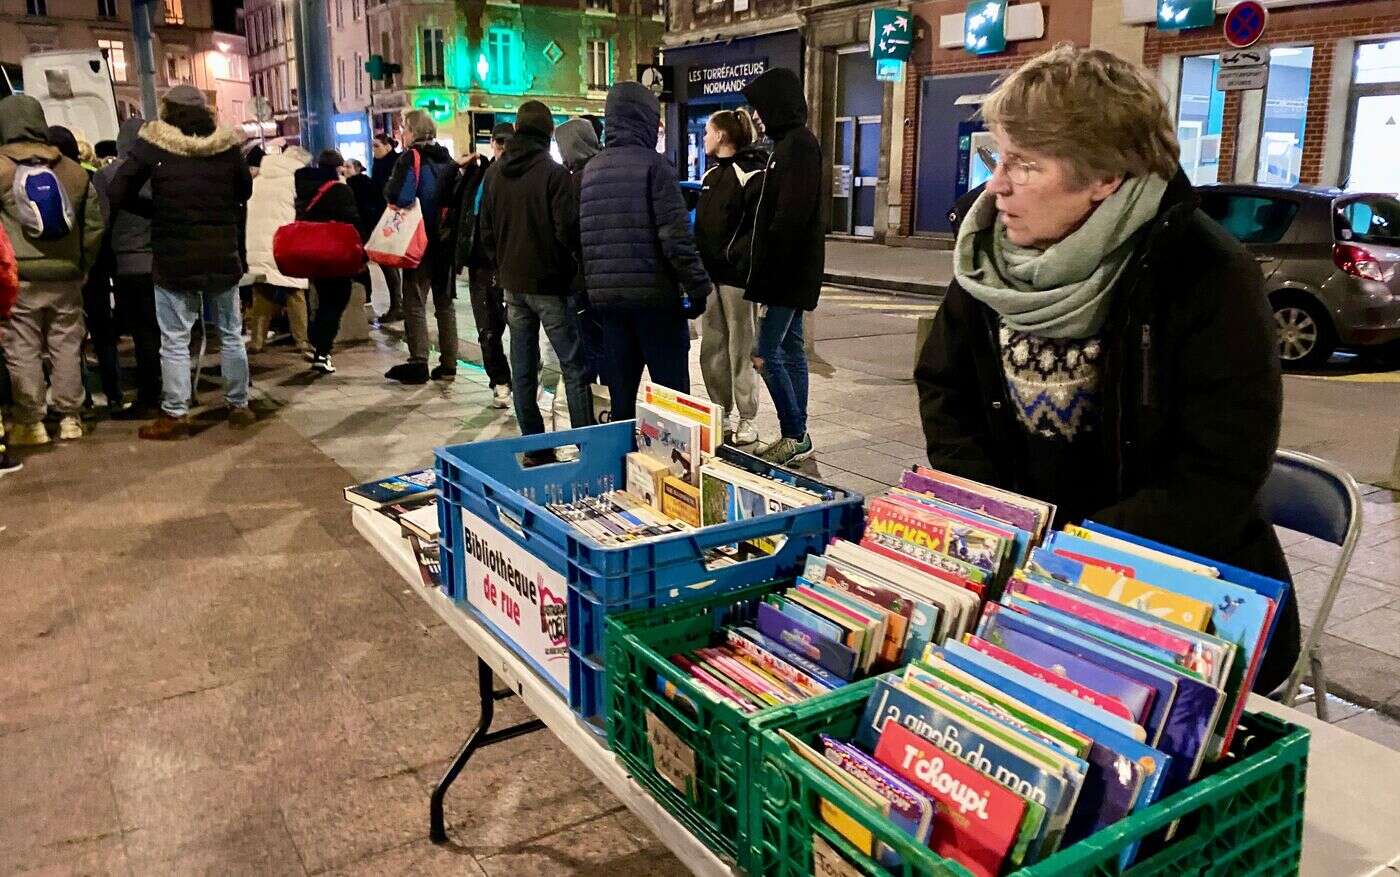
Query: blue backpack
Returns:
{"type": "Point", "coordinates": [41, 205]}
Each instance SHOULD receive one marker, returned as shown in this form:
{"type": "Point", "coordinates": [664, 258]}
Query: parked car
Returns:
{"type": "Point", "coordinates": [1331, 262]}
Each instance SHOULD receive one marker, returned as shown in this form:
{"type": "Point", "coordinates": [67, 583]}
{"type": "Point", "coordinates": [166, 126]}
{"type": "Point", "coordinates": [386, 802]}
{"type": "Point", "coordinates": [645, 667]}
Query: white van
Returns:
{"type": "Point", "coordinates": [75, 89]}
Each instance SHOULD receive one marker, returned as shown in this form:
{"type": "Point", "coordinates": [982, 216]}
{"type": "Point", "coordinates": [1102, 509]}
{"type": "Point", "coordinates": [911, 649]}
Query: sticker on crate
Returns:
{"type": "Point", "coordinates": [826, 862]}
{"type": "Point", "coordinates": [670, 756]}
{"type": "Point", "coordinates": [519, 594]}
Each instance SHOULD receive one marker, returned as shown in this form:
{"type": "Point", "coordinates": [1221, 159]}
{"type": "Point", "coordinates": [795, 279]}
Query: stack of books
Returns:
{"type": "Point", "coordinates": [615, 518]}
{"type": "Point", "coordinates": [1108, 672]}
{"type": "Point", "coordinates": [410, 499]}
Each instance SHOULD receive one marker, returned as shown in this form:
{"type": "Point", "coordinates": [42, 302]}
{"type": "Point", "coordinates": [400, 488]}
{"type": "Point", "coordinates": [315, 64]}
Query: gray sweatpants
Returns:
{"type": "Point", "coordinates": [726, 348]}
{"type": "Point", "coordinates": [47, 319]}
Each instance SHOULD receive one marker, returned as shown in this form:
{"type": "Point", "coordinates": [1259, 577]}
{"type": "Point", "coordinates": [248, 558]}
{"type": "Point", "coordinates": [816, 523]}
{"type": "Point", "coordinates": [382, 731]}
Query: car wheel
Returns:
{"type": "Point", "coordinates": [1305, 337]}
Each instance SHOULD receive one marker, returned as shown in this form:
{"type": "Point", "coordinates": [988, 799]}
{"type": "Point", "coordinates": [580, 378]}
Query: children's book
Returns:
{"type": "Point", "coordinates": [707, 416]}
{"type": "Point", "coordinates": [826, 652]}
{"type": "Point", "coordinates": [671, 440]}
{"type": "Point", "coordinates": [910, 808]}
{"type": "Point", "coordinates": [374, 495]}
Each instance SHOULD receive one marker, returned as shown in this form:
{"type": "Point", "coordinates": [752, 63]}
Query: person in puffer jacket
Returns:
{"type": "Point", "coordinates": [643, 273]}
{"type": "Point", "coordinates": [273, 205]}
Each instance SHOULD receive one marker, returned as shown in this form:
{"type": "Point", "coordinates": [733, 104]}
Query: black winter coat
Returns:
{"type": "Point", "coordinates": [434, 194]}
{"type": "Point", "coordinates": [725, 213]}
{"type": "Point", "coordinates": [467, 251]}
{"type": "Point", "coordinates": [788, 250]}
{"type": "Point", "coordinates": [637, 248]}
{"type": "Point", "coordinates": [1191, 400]}
{"type": "Point", "coordinates": [199, 186]}
{"type": "Point", "coordinates": [337, 205]}
{"type": "Point", "coordinates": [529, 221]}
{"type": "Point", "coordinates": [380, 170]}
{"type": "Point", "coordinates": [369, 203]}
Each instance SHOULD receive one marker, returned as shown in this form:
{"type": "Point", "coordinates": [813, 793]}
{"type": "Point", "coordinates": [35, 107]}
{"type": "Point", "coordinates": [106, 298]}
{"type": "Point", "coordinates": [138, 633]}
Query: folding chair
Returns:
{"type": "Point", "coordinates": [1320, 499]}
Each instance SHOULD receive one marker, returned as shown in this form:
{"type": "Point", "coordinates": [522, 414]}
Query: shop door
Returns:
{"type": "Point", "coordinates": [857, 148]}
{"type": "Point", "coordinates": [945, 104]}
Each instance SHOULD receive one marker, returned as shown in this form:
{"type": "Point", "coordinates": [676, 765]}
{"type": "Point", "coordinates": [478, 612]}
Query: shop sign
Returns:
{"type": "Point", "coordinates": [984, 27]}
{"type": "Point", "coordinates": [660, 80]}
{"type": "Point", "coordinates": [519, 594]}
{"type": "Point", "coordinates": [1184, 14]}
{"type": "Point", "coordinates": [1244, 23]}
{"type": "Point", "coordinates": [395, 100]}
{"type": "Point", "coordinates": [841, 181]}
{"type": "Point", "coordinates": [891, 34]}
{"type": "Point", "coordinates": [887, 70]}
{"type": "Point", "coordinates": [1243, 70]}
{"type": "Point", "coordinates": [723, 78]}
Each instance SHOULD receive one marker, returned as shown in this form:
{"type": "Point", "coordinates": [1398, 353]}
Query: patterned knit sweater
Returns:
{"type": "Point", "coordinates": [1054, 383]}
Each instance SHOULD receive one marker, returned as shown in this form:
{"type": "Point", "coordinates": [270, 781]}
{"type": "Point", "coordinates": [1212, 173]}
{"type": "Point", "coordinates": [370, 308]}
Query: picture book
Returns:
{"type": "Point", "coordinates": [1191, 566]}
{"type": "Point", "coordinates": [645, 475]}
{"type": "Point", "coordinates": [910, 809]}
{"type": "Point", "coordinates": [979, 821]}
{"type": "Point", "coordinates": [826, 652]}
{"type": "Point", "coordinates": [707, 416]}
{"type": "Point", "coordinates": [1106, 614]}
{"type": "Point", "coordinates": [1154, 599]}
{"type": "Point", "coordinates": [374, 495]}
{"type": "Point", "coordinates": [894, 622]}
{"type": "Point", "coordinates": [867, 631]}
{"type": "Point", "coordinates": [926, 526]}
{"type": "Point", "coordinates": [1085, 693]}
{"type": "Point", "coordinates": [798, 662]}
{"type": "Point", "coordinates": [421, 521]}
{"type": "Point", "coordinates": [957, 604]}
{"type": "Point", "coordinates": [672, 441]}
{"type": "Point", "coordinates": [1016, 515]}
{"type": "Point", "coordinates": [1044, 512]}
{"type": "Point", "coordinates": [680, 500]}
{"type": "Point", "coordinates": [832, 814]}
{"type": "Point", "coordinates": [762, 468]}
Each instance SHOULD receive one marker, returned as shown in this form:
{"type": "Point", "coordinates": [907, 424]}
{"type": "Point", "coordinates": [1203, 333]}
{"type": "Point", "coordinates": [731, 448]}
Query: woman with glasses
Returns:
{"type": "Point", "coordinates": [1104, 345]}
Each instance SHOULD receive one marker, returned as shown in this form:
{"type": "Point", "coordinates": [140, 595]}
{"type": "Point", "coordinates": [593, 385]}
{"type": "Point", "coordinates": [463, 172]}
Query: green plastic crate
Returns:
{"type": "Point", "coordinates": [1245, 817]}
{"type": "Point", "coordinates": [715, 805]}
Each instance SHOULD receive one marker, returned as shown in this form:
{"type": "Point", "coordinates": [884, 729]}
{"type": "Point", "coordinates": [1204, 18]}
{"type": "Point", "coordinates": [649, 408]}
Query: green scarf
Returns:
{"type": "Point", "coordinates": [1061, 291]}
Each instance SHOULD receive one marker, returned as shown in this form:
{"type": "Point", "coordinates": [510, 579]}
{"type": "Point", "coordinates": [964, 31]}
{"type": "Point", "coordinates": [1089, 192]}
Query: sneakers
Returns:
{"type": "Point", "coordinates": [242, 418]}
{"type": "Point", "coordinates": [393, 315]}
{"type": "Point", "coordinates": [444, 373]}
{"type": "Point", "coordinates": [165, 429]}
{"type": "Point", "coordinates": [321, 365]}
{"type": "Point", "coordinates": [500, 396]}
{"type": "Point", "coordinates": [28, 434]}
{"type": "Point", "coordinates": [408, 373]}
{"type": "Point", "coordinates": [8, 464]}
{"type": "Point", "coordinates": [70, 427]}
{"type": "Point", "coordinates": [788, 451]}
{"type": "Point", "coordinates": [746, 433]}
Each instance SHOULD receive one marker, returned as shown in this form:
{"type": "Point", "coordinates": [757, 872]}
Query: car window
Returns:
{"type": "Point", "coordinates": [1253, 219]}
{"type": "Point", "coordinates": [1370, 219]}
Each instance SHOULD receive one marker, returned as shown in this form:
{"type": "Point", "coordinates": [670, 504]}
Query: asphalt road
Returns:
{"type": "Point", "coordinates": [1348, 412]}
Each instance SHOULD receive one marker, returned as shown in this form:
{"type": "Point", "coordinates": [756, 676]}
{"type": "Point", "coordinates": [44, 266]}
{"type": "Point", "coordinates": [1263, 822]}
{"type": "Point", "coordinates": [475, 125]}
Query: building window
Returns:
{"type": "Point", "coordinates": [600, 74]}
{"type": "Point", "coordinates": [1373, 140]}
{"type": "Point", "coordinates": [1200, 114]}
{"type": "Point", "coordinates": [1252, 219]}
{"type": "Point", "coordinates": [355, 9]}
{"type": "Point", "coordinates": [599, 5]}
{"type": "Point", "coordinates": [339, 13]}
{"type": "Point", "coordinates": [500, 57]}
{"type": "Point", "coordinates": [359, 74]}
{"type": "Point", "coordinates": [178, 69]}
{"type": "Point", "coordinates": [174, 11]}
{"type": "Point", "coordinates": [340, 75]}
{"type": "Point", "coordinates": [36, 7]}
{"type": "Point", "coordinates": [238, 110]}
{"type": "Point", "coordinates": [106, 8]}
{"type": "Point", "coordinates": [430, 64]}
{"type": "Point", "coordinates": [1285, 115]}
{"type": "Point", "coordinates": [115, 53]}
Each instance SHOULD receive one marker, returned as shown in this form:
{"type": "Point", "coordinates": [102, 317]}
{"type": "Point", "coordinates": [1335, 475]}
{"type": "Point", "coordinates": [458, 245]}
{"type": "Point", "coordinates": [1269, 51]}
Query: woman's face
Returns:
{"type": "Point", "coordinates": [1050, 204]}
{"type": "Point", "coordinates": [713, 139]}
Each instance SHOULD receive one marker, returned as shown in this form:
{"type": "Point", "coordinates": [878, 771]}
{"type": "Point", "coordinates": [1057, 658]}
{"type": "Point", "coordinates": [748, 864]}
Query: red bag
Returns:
{"type": "Point", "coordinates": [9, 276]}
{"type": "Point", "coordinates": [318, 249]}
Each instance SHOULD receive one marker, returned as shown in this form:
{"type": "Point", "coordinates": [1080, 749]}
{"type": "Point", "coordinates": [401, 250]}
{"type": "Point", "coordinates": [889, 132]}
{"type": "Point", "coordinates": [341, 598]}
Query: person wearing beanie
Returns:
{"type": "Point", "coordinates": [529, 225]}
{"type": "Point", "coordinates": [199, 188]}
{"type": "Point", "coordinates": [643, 272]}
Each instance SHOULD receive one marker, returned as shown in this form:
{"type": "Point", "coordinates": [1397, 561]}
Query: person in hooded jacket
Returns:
{"type": "Point", "coordinates": [199, 188]}
{"type": "Point", "coordinates": [724, 219]}
{"type": "Point", "coordinates": [787, 254]}
{"type": "Point", "coordinates": [487, 298]}
{"type": "Point", "coordinates": [385, 154]}
{"type": "Point", "coordinates": [577, 140]}
{"type": "Point", "coordinates": [48, 316]}
{"type": "Point", "coordinates": [129, 237]}
{"type": "Point", "coordinates": [271, 206]}
{"type": "Point", "coordinates": [323, 197]}
{"type": "Point", "coordinates": [529, 225]}
{"type": "Point", "coordinates": [432, 183]}
{"type": "Point", "coordinates": [643, 273]}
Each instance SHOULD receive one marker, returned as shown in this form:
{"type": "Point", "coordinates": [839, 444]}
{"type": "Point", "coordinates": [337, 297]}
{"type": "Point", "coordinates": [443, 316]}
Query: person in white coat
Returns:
{"type": "Point", "coordinates": [272, 206]}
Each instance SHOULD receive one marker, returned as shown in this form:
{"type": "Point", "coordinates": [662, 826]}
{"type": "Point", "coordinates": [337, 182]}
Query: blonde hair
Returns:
{"type": "Point", "coordinates": [420, 127]}
{"type": "Point", "coordinates": [1099, 113]}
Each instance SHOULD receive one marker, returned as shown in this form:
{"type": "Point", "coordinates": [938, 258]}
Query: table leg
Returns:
{"type": "Point", "coordinates": [481, 736]}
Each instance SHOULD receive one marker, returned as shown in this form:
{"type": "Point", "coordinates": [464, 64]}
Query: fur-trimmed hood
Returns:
{"type": "Point", "coordinates": [166, 136]}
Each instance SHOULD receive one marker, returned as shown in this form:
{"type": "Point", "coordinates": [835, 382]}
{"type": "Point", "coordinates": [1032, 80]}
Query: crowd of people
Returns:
{"type": "Point", "coordinates": [589, 262]}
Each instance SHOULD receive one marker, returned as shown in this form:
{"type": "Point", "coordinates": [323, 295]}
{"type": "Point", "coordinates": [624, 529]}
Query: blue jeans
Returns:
{"type": "Point", "coordinates": [655, 340]}
{"type": "Point", "coordinates": [525, 314]}
{"type": "Point", "coordinates": [779, 343]}
{"type": "Point", "coordinates": [176, 312]}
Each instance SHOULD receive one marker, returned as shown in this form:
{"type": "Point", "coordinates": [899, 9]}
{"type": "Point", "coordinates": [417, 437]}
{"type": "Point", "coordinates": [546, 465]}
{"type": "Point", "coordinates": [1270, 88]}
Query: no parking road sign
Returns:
{"type": "Point", "coordinates": [1244, 23]}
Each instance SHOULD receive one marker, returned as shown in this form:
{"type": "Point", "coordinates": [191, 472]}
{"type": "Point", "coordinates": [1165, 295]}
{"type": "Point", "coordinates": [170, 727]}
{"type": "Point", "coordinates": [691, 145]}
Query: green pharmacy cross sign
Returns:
{"type": "Point", "coordinates": [436, 108]}
{"type": "Point", "coordinates": [891, 34]}
{"type": "Point", "coordinates": [1183, 14]}
{"type": "Point", "coordinates": [984, 27]}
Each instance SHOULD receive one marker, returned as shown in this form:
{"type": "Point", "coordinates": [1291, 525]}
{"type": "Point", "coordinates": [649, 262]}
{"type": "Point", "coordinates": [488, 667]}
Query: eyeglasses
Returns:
{"type": "Point", "coordinates": [1017, 171]}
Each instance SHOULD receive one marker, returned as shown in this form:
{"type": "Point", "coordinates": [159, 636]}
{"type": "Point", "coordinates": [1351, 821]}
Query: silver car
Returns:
{"type": "Point", "coordinates": [1331, 263]}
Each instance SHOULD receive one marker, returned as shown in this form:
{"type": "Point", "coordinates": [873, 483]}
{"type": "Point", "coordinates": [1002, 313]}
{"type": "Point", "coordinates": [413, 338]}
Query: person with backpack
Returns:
{"type": "Point", "coordinates": [723, 230]}
{"type": "Point", "coordinates": [487, 297]}
{"type": "Point", "coordinates": [271, 206]}
{"type": "Point", "coordinates": [643, 273]}
{"type": "Point", "coordinates": [426, 172]}
{"type": "Point", "coordinates": [50, 212]}
{"type": "Point", "coordinates": [529, 225]}
{"type": "Point", "coordinates": [787, 255]}
{"type": "Point", "coordinates": [199, 188]}
{"type": "Point", "coordinates": [323, 197]}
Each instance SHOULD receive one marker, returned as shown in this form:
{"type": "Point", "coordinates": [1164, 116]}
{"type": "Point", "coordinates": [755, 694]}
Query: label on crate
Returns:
{"type": "Point", "coordinates": [519, 593]}
{"type": "Point", "coordinates": [670, 756]}
{"type": "Point", "coordinates": [826, 862]}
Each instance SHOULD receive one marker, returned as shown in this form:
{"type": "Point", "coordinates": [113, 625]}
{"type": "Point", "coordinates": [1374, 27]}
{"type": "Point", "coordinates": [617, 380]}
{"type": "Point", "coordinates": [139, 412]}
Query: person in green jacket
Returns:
{"type": "Point", "coordinates": [48, 317]}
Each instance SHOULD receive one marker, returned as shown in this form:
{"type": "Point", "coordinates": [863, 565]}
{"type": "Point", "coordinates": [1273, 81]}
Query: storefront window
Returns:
{"type": "Point", "coordinates": [1285, 115]}
{"type": "Point", "coordinates": [1200, 113]}
{"type": "Point", "coordinates": [1375, 119]}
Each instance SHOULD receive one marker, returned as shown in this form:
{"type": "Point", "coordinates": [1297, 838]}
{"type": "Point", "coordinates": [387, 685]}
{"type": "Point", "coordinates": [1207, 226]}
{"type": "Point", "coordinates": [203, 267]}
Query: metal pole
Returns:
{"type": "Point", "coordinates": [314, 75]}
{"type": "Point", "coordinates": [145, 56]}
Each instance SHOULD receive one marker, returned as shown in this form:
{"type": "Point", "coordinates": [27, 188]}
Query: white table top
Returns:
{"type": "Point", "coordinates": [1351, 820]}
